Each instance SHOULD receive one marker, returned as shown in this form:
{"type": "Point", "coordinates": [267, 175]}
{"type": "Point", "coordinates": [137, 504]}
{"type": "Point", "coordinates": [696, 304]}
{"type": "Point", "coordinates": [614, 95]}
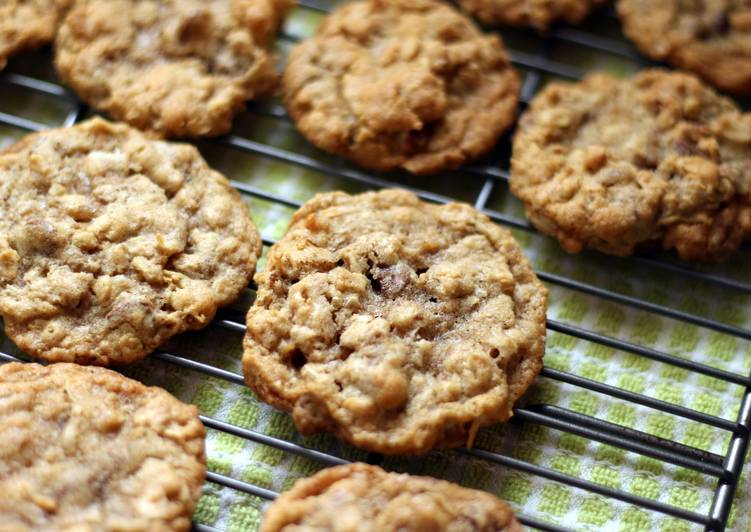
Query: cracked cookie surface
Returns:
{"type": "Point", "coordinates": [538, 14]}
{"type": "Point", "coordinates": [368, 499]}
{"type": "Point", "coordinates": [178, 68]}
{"type": "Point", "coordinates": [407, 84]}
{"type": "Point", "coordinates": [111, 243]}
{"type": "Point", "coordinates": [396, 325]}
{"type": "Point", "coordinates": [617, 164]}
{"type": "Point", "coordinates": [85, 448]}
{"type": "Point", "coordinates": [28, 24]}
{"type": "Point", "coordinates": [709, 37]}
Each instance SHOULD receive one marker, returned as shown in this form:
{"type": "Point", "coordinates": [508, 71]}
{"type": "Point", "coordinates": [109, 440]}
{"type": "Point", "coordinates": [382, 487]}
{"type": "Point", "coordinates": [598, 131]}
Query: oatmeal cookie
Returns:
{"type": "Point", "coordinates": [394, 324]}
{"type": "Point", "coordinates": [85, 448]}
{"type": "Point", "coordinates": [401, 83]}
{"type": "Point", "coordinates": [178, 68]}
{"type": "Point", "coordinates": [28, 24]}
{"type": "Point", "coordinates": [613, 165]}
{"type": "Point", "coordinates": [538, 14]}
{"type": "Point", "coordinates": [111, 243]}
{"type": "Point", "coordinates": [368, 499]}
{"type": "Point", "coordinates": [709, 37]}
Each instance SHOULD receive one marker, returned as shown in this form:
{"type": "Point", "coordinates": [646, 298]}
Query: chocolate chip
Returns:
{"type": "Point", "coordinates": [711, 25]}
{"type": "Point", "coordinates": [390, 281]}
{"type": "Point", "coordinates": [683, 147]}
{"type": "Point", "coordinates": [644, 161]}
{"type": "Point", "coordinates": [721, 23]}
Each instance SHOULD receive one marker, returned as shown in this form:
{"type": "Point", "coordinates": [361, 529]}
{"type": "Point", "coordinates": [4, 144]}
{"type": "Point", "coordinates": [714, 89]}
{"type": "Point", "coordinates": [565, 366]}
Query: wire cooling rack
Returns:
{"type": "Point", "coordinates": [491, 176]}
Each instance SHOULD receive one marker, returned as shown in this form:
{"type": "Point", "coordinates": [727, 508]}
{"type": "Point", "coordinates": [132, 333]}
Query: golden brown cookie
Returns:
{"type": "Point", "coordinates": [85, 448]}
{"type": "Point", "coordinates": [538, 14]}
{"type": "Point", "coordinates": [394, 324]}
{"type": "Point", "coordinates": [614, 165]}
{"type": "Point", "coordinates": [368, 499]}
{"type": "Point", "coordinates": [709, 37]}
{"type": "Point", "coordinates": [401, 84]}
{"type": "Point", "coordinates": [179, 68]}
{"type": "Point", "coordinates": [28, 24]}
{"type": "Point", "coordinates": [111, 243]}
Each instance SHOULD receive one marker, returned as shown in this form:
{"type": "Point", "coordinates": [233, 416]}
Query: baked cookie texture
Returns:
{"type": "Point", "coordinates": [368, 499]}
{"type": "Point", "coordinates": [85, 448]}
{"type": "Point", "coordinates": [177, 68]}
{"type": "Point", "coordinates": [396, 325]}
{"type": "Point", "coordinates": [660, 159]}
{"type": "Point", "coordinates": [407, 84]}
{"type": "Point", "coordinates": [538, 14]}
{"type": "Point", "coordinates": [709, 37]}
{"type": "Point", "coordinates": [28, 24]}
{"type": "Point", "coordinates": [111, 243]}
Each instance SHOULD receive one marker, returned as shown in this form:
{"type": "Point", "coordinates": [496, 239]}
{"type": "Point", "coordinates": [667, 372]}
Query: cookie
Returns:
{"type": "Point", "coordinates": [178, 68]}
{"type": "Point", "coordinates": [709, 37]}
{"type": "Point", "coordinates": [85, 448]}
{"type": "Point", "coordinates": [111, 243]}
{"type": "Point", "coordinates": [616, 165]}
{"type": "Point", "coordinates": [368, 499]}
{"type": "Point", "coordinates": [407, 84]}
{"type": "Point", "coordinates": [28, 24]}
{"type": "Point", "coordinates": [538, 14]}
{"type": "Point", "coordinates": [396, 325]}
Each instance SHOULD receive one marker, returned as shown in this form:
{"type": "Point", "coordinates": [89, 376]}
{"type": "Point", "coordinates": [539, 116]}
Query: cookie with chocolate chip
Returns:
{"type": "Point", "coordinates": [409, 84]}
{"type": "Point", "coordinates": [368, 499]}
{"type": "Point", "coordinates": [85, 448]}
{"type": "Point", "coordinates": [111, 243]}
{"type": "Point", "coordinates": [709, 37]}
{"type": "Point", "coordinates": [177, 68]}
{"type": "Point", "coordinates": [397, 325]}
{"type": "Point", "coordinates": [616, 165]}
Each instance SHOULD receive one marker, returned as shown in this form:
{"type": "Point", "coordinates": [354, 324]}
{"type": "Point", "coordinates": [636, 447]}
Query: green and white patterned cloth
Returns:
{"type": "Point", "coordinates": [533, 496]}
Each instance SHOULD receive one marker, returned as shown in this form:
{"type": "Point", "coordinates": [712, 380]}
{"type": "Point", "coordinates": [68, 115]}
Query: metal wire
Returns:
{"type": "Point", "coordinates": [725, 468]}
